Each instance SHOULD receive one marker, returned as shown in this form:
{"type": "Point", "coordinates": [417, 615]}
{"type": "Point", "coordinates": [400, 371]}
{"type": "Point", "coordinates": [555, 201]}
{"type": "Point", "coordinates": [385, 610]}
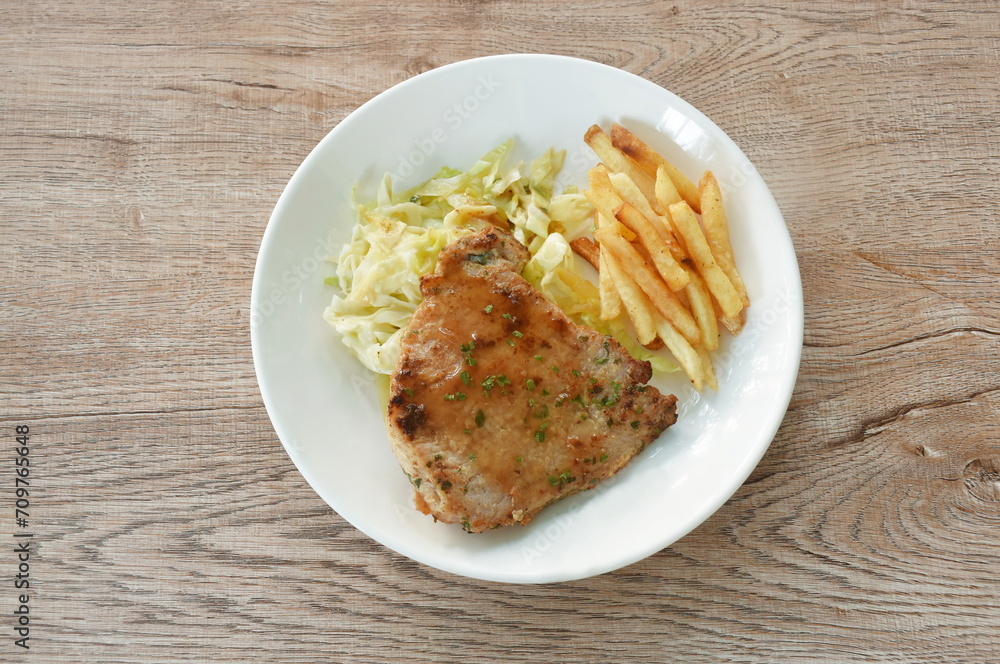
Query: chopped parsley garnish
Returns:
{"type": "Point", "coordinates": [529, 384]}
{"type": "Point", "coordinates": [555, 368]}
{"type": "Point", "coordinates": [483, 258]}
{"type": "Point", "coordinates": [604, 457]}
{"type": "Point", "coordinates": [562, 478]}
{"type": "Point", "coordinates": [540, 434]}
{"type": "Point", "coordinates": [472, 457]}
{"type": "Point", "coordinates": [459, 396]}
{"type": "Point", "coordinates": [576, 373]}
{"type": "Point", "coordinates": [635, 424]}
{"type": "Point", "coordinates": [538, 357]}
{"type": "Point", "coordinates": [488, 308]}
{"type": "Point", "coordinates": [510, 342]}
{"type": "Point", "coordinates": [508, 316]}
{"type": "Point", "coordinates": [466, 378]}
{"type": "Point", "coordinates": [491, 381]}
{"type": "Point", "coordinates": [606, 357]}
{"type": "Point", "coordinates": [545, 393]}
{"type": "Point", "coordinates": [517, 459]}
{"type": "Point", "coordinates": [409, 392]}
{"type": "Point", "coordinates": [467, 351]}
{"type": "Point", "coordinates": [517, 334]}
{"type": "Point", "coordinates": [480, 418]}
{"type": "Point", "coordinates": [543, 412]}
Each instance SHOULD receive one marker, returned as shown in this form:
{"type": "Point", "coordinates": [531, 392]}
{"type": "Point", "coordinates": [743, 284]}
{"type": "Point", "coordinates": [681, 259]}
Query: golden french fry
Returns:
{"type": "Point", "coordinates": [636, 304]}
{"type": "Point", "coordinates": [649, 161]}
{"type": "Point", "coordinates": [655, 344]}
{"type": "Point", "coordinates": [600, 143]}
{"type": "Point", "coordinates": [671, 271]}
{"type": "Point", "coordinates": [611, 303]}
{"type": "Point", "coordinates": [684, 352]}
{"type": "Point", "coordinates": [649, 281]}
{"type": "Point", "coordinates": [606, 200]}
{"type": "Point", "coordinates": [623, 230]}
{"type": "Point", "coordinates": [700, 300]}
{"type": "Point", "coordinates": [708, 371]}
{"type": "Point", "coordinates": [588, 250]}
{"type": "Point", "coordinates": [717, 232]}
{"type": "Point", "coordinates": [666, 191]}
{"type": "Point", "coordinates": [718, 283]}
{"type": "Point", "coordinates": [630, 193]}
{"type": "Point", "coordinates": [666, 195]}
{"type": "Point", "coordinates": [735, 323]}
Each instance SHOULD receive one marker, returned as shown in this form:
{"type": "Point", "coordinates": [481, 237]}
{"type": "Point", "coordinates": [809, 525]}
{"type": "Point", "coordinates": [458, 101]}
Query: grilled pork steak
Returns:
{"type": "Point", "coordinates": [500, 404]}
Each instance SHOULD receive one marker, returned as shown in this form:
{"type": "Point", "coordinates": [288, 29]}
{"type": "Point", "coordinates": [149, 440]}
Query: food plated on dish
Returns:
{"type": "Point", "coordinates": [327, 407]}
{"type": "Point", "coordinates": [500, 404]}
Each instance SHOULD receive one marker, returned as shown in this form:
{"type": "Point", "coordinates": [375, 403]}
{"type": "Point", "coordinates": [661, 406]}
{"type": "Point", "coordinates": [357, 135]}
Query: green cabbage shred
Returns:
{"type": "Point", "coordinates": [398, 236]}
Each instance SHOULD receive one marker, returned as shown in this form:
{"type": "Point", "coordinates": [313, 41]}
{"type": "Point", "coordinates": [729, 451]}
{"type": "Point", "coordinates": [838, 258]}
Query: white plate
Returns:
{"type": "Point", "coordinates": [324, 405]}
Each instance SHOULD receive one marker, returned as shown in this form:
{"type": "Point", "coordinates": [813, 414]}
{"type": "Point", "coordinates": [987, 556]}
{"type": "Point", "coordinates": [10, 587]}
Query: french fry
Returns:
{"type": "Point", "coordinates": [700, 300]}
{"type": "Point", "coordinates": [605, 199]}
{"type": "Point", "coordinates": [588, 250]}
{"type": "Point", "coordinates": [649, 161]}
{"type": "Point", "coordinates": [667, 195]}
{"type": "Point", "coordinates": [655, 344]}
{"type": "Point", "coordinates": [717, 232]}
{"type": "Point", "coordinates": [671, 271]}
{"type": "Point", "coordinates": [708, 371]}
{"type": "Point", "coordinates": [666, 190]}
{"type": "Point", "coordinates": [600, 143]}
{"type": "Point", "coordinates": [635, 303]}
{"type": "Point", "coordinates": [685, 353]}
{"type": "Point", "coordinates": [718, 283]}
{"type": "Point", "coordinates": [630, 193]}
{"type": "Point", "coordinates": [735, 323]}
{"type": "Point", "coordinates": [611, 303]}
{"type": "Point", "coordinates": [649, 281]}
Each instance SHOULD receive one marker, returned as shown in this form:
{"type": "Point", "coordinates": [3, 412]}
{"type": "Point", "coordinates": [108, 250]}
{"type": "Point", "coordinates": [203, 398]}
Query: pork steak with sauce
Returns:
{"type": "Point", "coordinates": [500, 404]}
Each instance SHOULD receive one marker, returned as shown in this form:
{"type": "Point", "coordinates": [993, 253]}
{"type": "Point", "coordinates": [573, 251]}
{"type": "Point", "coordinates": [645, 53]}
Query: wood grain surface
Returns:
{"type": "Point", "coordinates": [143, 146]}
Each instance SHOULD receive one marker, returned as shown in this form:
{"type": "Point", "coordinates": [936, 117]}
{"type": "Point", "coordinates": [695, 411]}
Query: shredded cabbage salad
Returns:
{"type": "Point", "coordinates": [398, 236]}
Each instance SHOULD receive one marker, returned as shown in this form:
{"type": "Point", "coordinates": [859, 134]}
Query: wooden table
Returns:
{"type": "Point", "coordinates": [143, 147]}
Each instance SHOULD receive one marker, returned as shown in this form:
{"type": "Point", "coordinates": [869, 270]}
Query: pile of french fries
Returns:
{"type": "Point", "coordinates": [673, 274]}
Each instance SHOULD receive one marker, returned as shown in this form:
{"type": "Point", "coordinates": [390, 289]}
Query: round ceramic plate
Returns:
{"type": "Point", "coordinates": [325, 406]}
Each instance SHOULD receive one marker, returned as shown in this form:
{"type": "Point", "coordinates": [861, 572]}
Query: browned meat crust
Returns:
{"type": "Point", "coordinates": [500, 404]}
